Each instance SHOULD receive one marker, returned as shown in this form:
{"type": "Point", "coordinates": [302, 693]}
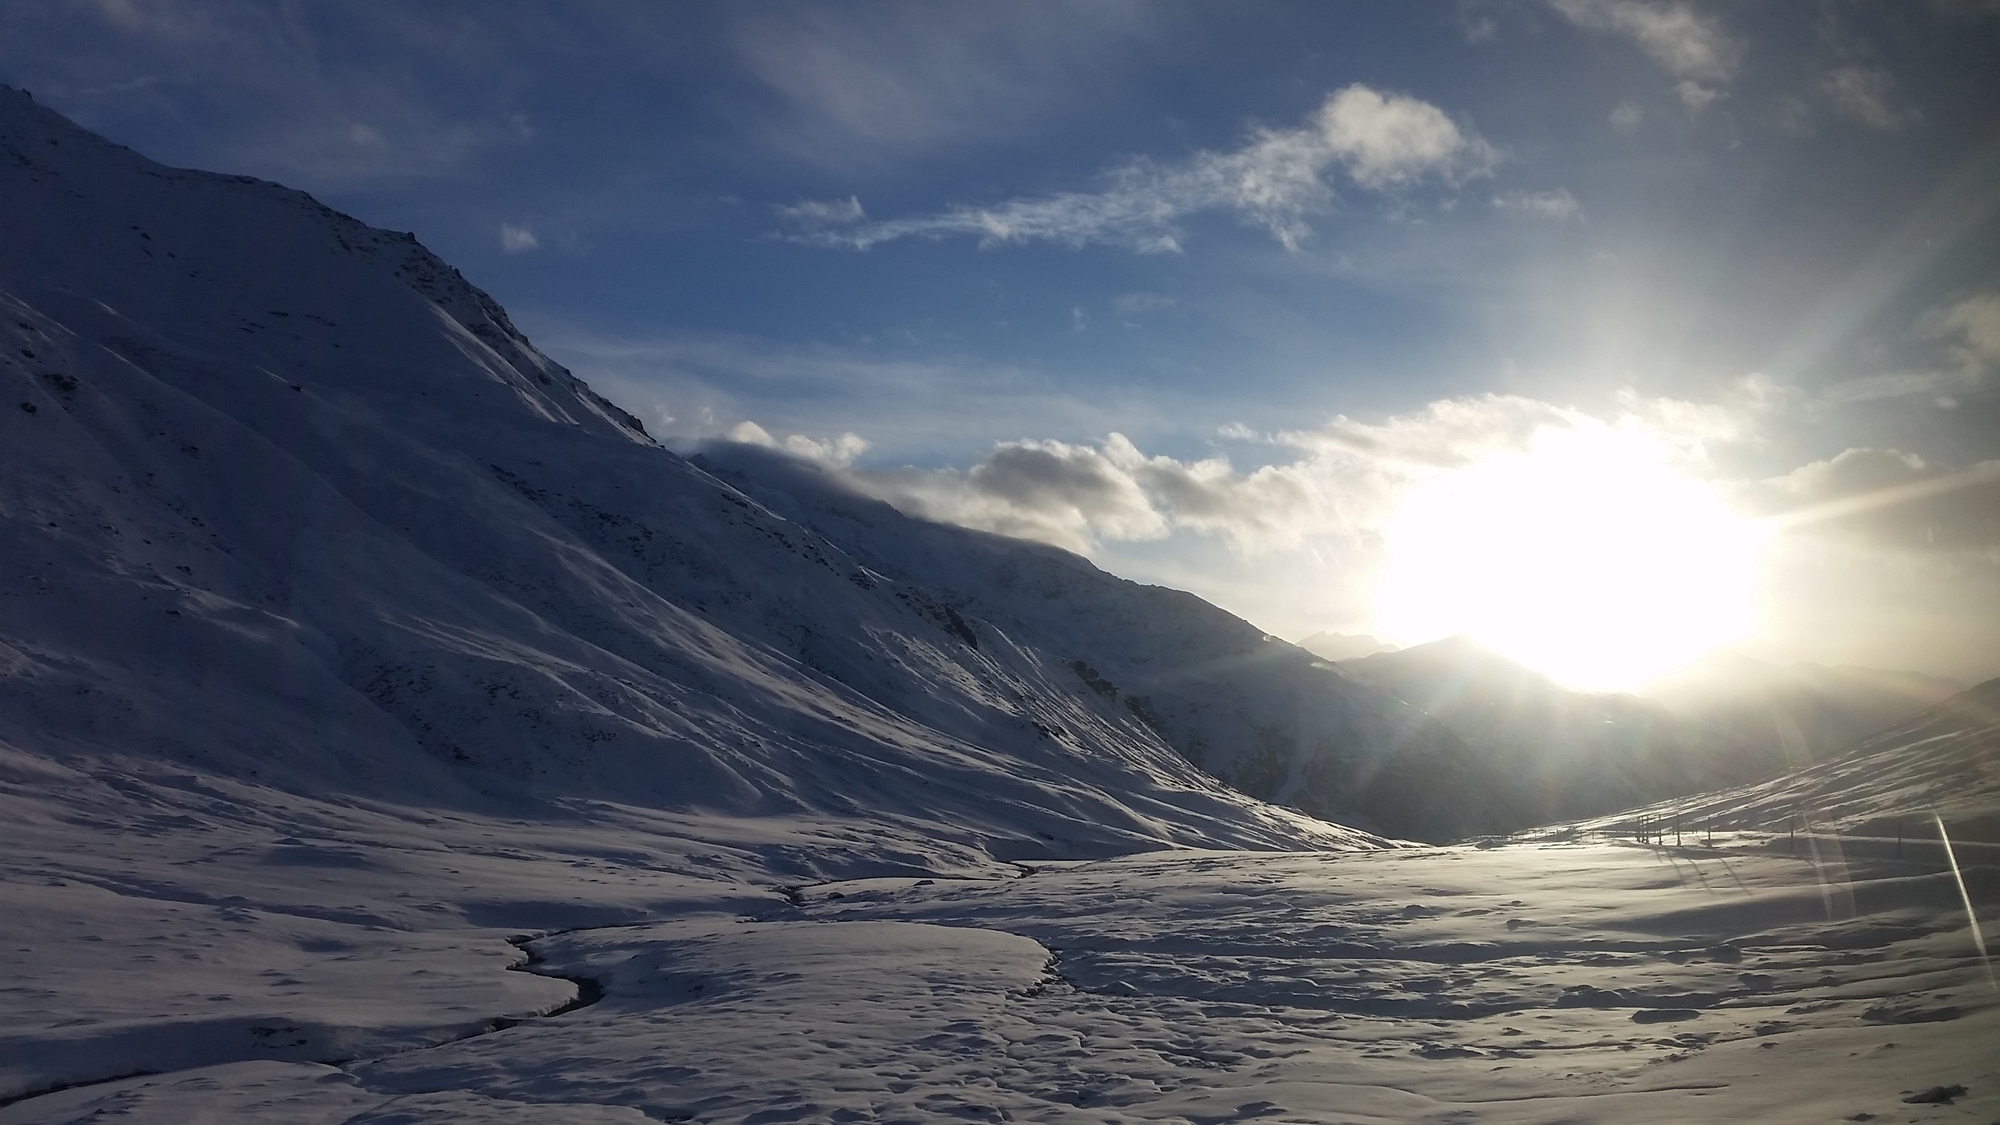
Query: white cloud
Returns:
{"type": "Point", "coordinates": [1890, 500]}
{"type": "Point", "coordinates": [1941, 387]}
{"type": "Point", "coordinates": [1696, 96]}
{"type": "Point", "coordinates": [830, 212]}
{"type": "Point", "coordinates": [1976, 323]}
{"type": "Point", "coordinates": [1135, 304]}
{"type": "Point", "coordinates": [515, 239]}
{"type": "Point", "coordinates": [1071, 496]}
{"type": "Point", "coordinates": [1391, 140]}
{"type": "Point", "coordinates": [1682, 41]}
{"type": "Point", "coordinates": [750, 433]}
{"type": "Point", "coordinates": [1970, 330]}
{"type": "Point", "coordinates": [1276, 180]}
{"type": "Point", "coordinates": [1558, 204]}
{"type": "Point", "coordinates": [1343, 482]}
{"type": "Point", "coordinates": [836, 453]}
{"type": "Point", "coordinates": [696, 386]}
{"type": "Point", "coordinates": [1626, 117]}
{"type": "Point", "coordinates": [1865, 93]}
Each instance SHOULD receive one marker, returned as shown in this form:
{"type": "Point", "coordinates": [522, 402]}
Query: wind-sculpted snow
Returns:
{"type": "Point", "coordinates": [1583, 982]}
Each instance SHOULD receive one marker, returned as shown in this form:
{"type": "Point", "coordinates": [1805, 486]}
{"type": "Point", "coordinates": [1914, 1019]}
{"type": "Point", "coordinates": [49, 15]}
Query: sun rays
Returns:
{"type": "Point", "coordinates": [1588, 556]}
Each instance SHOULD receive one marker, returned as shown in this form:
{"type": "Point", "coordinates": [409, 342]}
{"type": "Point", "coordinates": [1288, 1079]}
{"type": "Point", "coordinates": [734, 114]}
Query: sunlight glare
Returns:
{"type": "Point", "coordinates": [1589, 557]}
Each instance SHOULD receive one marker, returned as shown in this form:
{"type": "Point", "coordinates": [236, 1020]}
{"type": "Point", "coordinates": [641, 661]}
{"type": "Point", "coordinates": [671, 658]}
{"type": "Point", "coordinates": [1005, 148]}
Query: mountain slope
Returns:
{"type": "Point", "coordinates": [1938, 766]}
{"type": "Point", "coordinates": [1247, 708]}
{"type": "Point", "coordinates": [1559, 753]}
{"type": "Point", "coordinates": [1342, 646]}
{"type": "Point", "coordinates": [1784, 716]}
{"type": "Point", "coordinates": [287, 500]}
{"type": "Point", "coordinates": [1562, 754]}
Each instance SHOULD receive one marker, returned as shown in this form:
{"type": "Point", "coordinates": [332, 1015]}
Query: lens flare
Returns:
{"type": "Point", "coordinates": [1588, 557]}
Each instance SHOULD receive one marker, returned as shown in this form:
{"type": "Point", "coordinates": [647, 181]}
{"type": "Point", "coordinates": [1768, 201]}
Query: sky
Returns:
{"type": "Point", "coordinates": [1210, 292]}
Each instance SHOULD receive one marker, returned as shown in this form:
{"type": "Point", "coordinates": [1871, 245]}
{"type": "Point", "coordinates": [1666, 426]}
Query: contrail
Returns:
{"type": "Point", "coordinates": [1971, 915]}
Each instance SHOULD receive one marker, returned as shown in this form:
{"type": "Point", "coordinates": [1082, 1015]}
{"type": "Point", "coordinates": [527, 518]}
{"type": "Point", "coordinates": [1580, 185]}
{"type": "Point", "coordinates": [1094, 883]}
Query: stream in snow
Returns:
{"type": "Point", "coordinates": [1554, 982]}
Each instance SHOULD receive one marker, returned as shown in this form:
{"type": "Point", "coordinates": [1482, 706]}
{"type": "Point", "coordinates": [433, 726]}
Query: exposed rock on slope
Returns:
{"type": "Point", "coordinates": [287, 499]}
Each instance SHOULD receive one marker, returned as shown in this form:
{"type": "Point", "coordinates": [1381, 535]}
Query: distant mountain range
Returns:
{"type": "Point", "coordinates": [1344, 646]}
{"type": "Point", "coordinates": [1562, 753]}
{"type": "Point", "coordinates": [1724, 720]}
{"type": "Point", "coordinates": [1892, 793]}
{"type": "Point", "coordinates": [1790, 715]}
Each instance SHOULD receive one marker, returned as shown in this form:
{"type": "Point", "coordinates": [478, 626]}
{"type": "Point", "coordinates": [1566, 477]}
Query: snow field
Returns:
{"type": "Point", "coordinates": [1594, 982]}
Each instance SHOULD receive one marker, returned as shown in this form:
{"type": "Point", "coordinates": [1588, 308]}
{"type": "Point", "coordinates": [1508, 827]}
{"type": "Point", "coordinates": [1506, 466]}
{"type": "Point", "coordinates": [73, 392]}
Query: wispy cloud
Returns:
{"type": "Point", "coordinates": [1556, 204]}
{"type": "Point", "coordinates": [1685, 43]}
{"type": "Point", "coordinates": [1136, 304]}
{"type": "Point", "coordinates": [313, 95]}
{"type": "Point", "coordinates": [515, 239]}
{"type": "Point", "coordinates": [1888, 499]}
{"type": "Point", "coordinates": [1970, 331]}
{"type": "Point", "coordinates": [862, 84]}
{"type": "Point", "coordinates": [1867, 94]}
{"type": "Point", "coordinates": [835, 453]}
{"type": "Point", "coordinates": [1277, 180]}
{"type": "Point", "coordinates": [695, 387]}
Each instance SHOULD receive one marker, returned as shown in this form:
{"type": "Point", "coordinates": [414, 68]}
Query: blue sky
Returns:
{"type": "Point", "coordinates": [1294, 256]}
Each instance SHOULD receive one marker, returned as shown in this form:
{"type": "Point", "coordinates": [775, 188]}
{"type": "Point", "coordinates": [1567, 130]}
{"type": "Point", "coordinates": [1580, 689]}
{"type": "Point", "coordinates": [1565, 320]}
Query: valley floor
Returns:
{"type": "Point", "coordinates": [1534, 982]}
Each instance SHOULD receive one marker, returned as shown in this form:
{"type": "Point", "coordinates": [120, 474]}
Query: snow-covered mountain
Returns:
{"type": "Point", "coordinates": [1786, 715]}
{"type": "Point", "coordinates": [1564, 754]}
{"type": "Point", "coordinates": [1343, 646]}
{"type": "Point", "coordinates": [1560, 753]}
{"type": "Point", "coordinates": [288, 501]}
{"type": "Point", "coordinates": [1246, 708]}
{"type": "Point", "coordinates": [1938, 767]}
{"type": "Point", "coordinates": [390, 731]}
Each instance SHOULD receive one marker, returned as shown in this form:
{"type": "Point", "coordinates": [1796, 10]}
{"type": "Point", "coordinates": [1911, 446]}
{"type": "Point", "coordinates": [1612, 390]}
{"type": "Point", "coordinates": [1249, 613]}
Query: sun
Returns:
{"type": "Point", "coordinates": [1588, 557]}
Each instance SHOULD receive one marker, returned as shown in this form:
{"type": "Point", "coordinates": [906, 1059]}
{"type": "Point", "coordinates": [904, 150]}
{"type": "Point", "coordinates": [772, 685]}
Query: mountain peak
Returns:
{"type": "Point", "coordinates": [245, 276]}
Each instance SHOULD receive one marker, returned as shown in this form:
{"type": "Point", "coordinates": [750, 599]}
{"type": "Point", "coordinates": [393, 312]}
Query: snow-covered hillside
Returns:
{"type": "Point", "coordinates": [391, 732]}
{"type": "Point", "coordinates": [1937, 770]}
{"type": "Point", "coordinates": [1782, 716]}
{"type": "Point", "coordinates": [1562, 753]}
{"type": "Point", "coordinates": [287, 500]}
{"type": "Point", "coordinates": [1262, 715]}
{"type": "Point", "coordinates": [1566, 754]}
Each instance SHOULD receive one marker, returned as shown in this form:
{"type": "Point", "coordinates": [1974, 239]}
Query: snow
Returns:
{"type": "Point", "coordinates": [1595, 981]}
{"type": "Point", "coordinates": [289, 500]}
{"type": "Point", "coordinates": [391, 732]}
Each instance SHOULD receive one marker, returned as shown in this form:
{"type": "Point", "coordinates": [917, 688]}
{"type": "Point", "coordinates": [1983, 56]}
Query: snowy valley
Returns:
{"type": "Point", "coordinates": [392, 731]}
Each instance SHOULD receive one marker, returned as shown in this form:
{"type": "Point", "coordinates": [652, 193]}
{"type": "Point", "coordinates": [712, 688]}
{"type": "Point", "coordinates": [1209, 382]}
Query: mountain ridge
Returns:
{"type": "Point", "coordinates": [291, 501]}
